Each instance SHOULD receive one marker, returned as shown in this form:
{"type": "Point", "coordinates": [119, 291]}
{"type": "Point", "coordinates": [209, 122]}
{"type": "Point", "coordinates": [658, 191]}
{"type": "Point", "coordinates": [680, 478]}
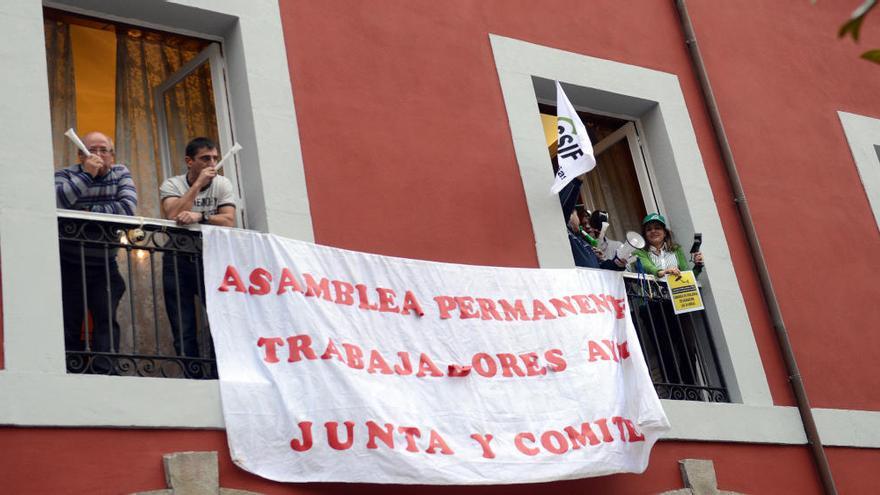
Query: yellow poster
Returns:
{"type": "Point", "coordinates": [684, 292]}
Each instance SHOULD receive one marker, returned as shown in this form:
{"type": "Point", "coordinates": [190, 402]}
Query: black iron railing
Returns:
{"type": "Point", "coordinates": [678, 349]}
{"type": "Point", "coordinates": [133, 298]}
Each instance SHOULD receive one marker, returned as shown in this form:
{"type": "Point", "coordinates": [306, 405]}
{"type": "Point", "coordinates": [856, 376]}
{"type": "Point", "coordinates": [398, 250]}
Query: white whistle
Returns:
{"type": "Point", "coordinates": [235, 149]}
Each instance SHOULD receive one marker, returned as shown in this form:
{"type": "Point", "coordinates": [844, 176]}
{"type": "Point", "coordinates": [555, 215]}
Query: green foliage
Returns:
{"type": "Point", "coordinates": [853, 26]}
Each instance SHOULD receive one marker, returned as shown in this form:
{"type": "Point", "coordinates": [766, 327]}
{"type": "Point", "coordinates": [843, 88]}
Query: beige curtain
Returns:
{"type": "Point", "coordinates": [613, 186]}
{"type": "Point", "coordinates": [144, 60]}
{"type": "Point", "coordinates": [62, 89]}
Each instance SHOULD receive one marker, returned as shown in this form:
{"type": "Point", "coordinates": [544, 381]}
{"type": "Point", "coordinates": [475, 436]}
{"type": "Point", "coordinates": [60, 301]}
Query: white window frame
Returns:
{"type": "Point", "coordinates": [653, 100]}
{"type": "Point", "coordinates": [863, 136]}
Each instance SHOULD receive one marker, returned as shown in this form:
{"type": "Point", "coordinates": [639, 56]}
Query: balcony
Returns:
{"type": "Point", "coordinates": [154, 269]}
{"type": "Point", "coordinates": [678, 349]}
{"type": "Point", "coordinates": [133, 301]}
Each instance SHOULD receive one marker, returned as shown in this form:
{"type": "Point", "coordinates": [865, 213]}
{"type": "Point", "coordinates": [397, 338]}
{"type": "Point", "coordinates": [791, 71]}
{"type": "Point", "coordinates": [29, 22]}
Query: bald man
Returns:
{"type": "Point", "coordinates": [96, 184]}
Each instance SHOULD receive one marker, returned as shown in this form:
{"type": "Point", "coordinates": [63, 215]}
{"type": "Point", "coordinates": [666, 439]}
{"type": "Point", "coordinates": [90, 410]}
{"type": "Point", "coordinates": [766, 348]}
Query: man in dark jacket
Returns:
{"type": "Point", "coordinates": [580, 248]}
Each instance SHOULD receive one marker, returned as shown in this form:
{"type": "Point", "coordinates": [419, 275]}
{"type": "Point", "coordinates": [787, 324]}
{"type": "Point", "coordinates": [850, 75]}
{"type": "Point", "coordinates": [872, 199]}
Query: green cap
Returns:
{"type": "Point", "coordinates": [654, 217]}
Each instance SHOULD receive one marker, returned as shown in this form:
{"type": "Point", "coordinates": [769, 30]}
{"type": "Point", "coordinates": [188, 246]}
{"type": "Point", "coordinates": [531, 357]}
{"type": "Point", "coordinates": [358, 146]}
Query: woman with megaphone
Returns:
{"type": "Point", "coordinates": [662, 255]}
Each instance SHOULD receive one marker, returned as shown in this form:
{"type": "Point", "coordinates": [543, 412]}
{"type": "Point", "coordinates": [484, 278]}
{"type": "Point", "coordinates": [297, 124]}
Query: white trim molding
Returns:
{"type": "Point", "coordinates": [863, 135]}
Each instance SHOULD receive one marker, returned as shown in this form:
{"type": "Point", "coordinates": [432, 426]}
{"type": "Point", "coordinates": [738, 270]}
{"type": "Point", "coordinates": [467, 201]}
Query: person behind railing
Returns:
{"type": "Point", "coordinates": [672, 350]}
{"type": "Point", "coordinates": [606, 249]}
{"type": "Point", "coordinates": [662, 255]}
{"type": "Point", "coordinates": [581, 247]}
{"type": "Point", "coordinates": [198, 196]}
{"type": "Point", "coordinates": [96, 184]}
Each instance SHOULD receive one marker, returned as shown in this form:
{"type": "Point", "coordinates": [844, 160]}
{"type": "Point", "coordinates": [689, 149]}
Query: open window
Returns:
{"type": "Point", "coordinates": [150, 91]}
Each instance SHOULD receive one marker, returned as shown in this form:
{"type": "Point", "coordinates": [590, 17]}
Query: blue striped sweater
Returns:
{"type": "Point", "coordinates": [114, 192]}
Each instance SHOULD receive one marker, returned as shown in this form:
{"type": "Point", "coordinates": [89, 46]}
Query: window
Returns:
{"type": "Point", "coordinates": [148, 90]}
{"type": "Point", "coordinates": [654, 103]}
{"type": "Point", "coordinates": [133, 296]}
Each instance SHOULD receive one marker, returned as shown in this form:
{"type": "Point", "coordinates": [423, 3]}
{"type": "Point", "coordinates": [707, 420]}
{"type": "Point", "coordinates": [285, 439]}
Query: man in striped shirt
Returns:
{"type": "Point", "coordinates": [90, 275]}
{"type": "Point", "coordinates": [96, 183]}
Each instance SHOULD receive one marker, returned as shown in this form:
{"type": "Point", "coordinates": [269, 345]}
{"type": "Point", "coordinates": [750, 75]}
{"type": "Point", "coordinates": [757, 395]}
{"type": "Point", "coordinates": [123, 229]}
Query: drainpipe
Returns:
{"type": "Point", "coordinates": [794, 375]}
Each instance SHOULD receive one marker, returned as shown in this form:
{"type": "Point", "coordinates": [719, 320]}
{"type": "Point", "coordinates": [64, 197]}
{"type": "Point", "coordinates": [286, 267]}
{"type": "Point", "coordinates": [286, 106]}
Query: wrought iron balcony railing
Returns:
{"type": "Point", "coordinates": [133, 297]}
{"type": "Point", "coordinates": [678, 349]}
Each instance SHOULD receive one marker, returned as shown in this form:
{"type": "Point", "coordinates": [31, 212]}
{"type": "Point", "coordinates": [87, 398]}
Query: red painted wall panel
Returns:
{"type": "Point", "coordinates": [404, 132]}
{"type": "Point", "coordinates": [780, 77]}
{"type": "Point", "coordinates": [43, 461]}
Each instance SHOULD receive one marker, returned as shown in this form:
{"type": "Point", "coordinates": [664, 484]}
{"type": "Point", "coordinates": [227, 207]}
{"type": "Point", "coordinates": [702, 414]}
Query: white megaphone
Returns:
{"type": "Point", "coordinates": [633, 241]}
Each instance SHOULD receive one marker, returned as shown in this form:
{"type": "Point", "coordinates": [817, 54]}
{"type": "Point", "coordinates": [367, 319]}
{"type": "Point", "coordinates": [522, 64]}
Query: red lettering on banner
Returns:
{"type": "Point", "coordinates": [354, 356]}
{"type": "Point", "coordinates": [426, 366]}
{"type": "Point", "coordinates": [344, 291]}
{"type": "Point", "coordinates": [619, 305]}
{"type": "Point", "coordinates": [613, 348]}
{"type": "Point", "coordinates": [519, 442]}
{"type": "Point", "coordinates": [603, 427]}
{"type": "Point", "coordinates": [377, 362]}
{"type": "Point", "coordinates": [623, 350]}
{"type": "Point", "coordinates": [579, 438]}
{"type": "Point", "coordinates": [374, 432]}
{"type": "Point", "coordinates": [386, 301]}
{"type": "Point", "coordinates": [634, 435]}
{"type": "Point", "coordinates": [445, 304]}
{"type": "Point", "coordinates": [260, 282]}
{"type": "Point", "coordinates": [436, 441]}
{"type": "Point", "coordinates": [364, 299]}
{"type": "Point", "coordinates": [515, 311]}
{"type": "Point", "coordinates": [601, 303]}
{"type": "Point", "coordinates": [508, 363]}
{"type": "Point", "coordinates": [300, 344]}
{"type": "Point", "coordinates": [466, 308]}
{"type": "Point", "coordinates": [411, 433]}
{"type": "Point", "coordinates": [487, 309]}
{"type": "Point", "coordinates": [410, 303]}
{"type": "Point", "coordinates": [540, 311]}
{"type": "Point", "coordinates": [457, 370]}
{"type": "Point", "coordinates": [618, 422]}
{"type": "Point", "coordinates": [270, 343]}
{"type": "Point", "coordinates": [288, 280]}
{"type": "Point", "coordinates": [317, 289]}
{"type": "Point", "coordinates": [583, 303]}
{"type": "Point", "coordinates": [484, 440]}
{"type": "Point", "coordinates": [407, 368]}
{"type": "Point", "coordinates": [554, 442]}
{"type": "Point", "coordinates": [333, 435]}
{"type": "Point", "coordinates": [596, 352]}
{"type": "Point", "coordinates": [231, 279]}
{"type": "Point", "coordinates": [305, 444]}
{"type": "Point", "coordinates": [331, 351]}
{"type": "Point", "coordinates": [484, 364]}
{"type": "Point", "coordinates": [530, 361]}
{"type": "Point", "coordinates": [555, 361]}
{"type": "Point", "coordinates": [574, 437]}
{"type": "Point", "coordinates": [561, 305]}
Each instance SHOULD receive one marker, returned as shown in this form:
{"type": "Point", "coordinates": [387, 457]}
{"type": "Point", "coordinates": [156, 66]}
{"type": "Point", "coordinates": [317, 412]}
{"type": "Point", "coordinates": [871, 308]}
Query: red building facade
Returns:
{"type": "Point", "coordinates": [412, 129]}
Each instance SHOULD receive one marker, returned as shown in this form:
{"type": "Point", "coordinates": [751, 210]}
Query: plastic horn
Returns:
{"type": "Point", "coordinates": [605, 226]}
{"type": "Point", "coordinates": [633, 241]}
{"type": "Point", "coordinates": [235, 149]}
{"type": "Point", "coordinates": [592, 241]}
{"type": "Point", "coordinates": [71, 134]}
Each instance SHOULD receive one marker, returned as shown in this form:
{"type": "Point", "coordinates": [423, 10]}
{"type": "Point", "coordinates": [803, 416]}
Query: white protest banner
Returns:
{"type": "Point", "coordinates": [344, 366]}
{"type": "Point", "coordinates": [574, 151]}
